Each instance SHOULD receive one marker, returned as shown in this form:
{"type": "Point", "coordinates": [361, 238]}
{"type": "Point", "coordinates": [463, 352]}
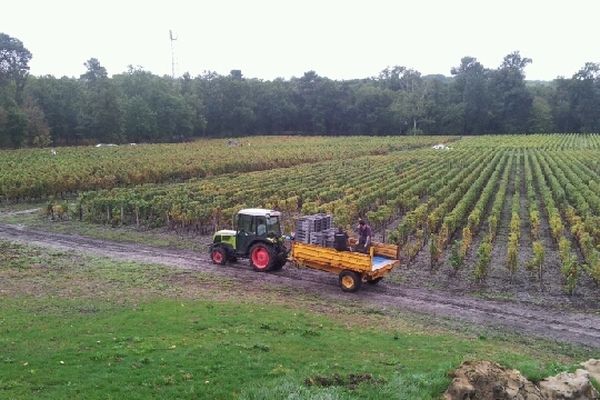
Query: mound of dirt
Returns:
{"type": "Point", "coordinates": [485, 380]}
{"type": "Point", "coordinates": [593, 367]}
{"type": "Point", "coordinates": [571, 386]}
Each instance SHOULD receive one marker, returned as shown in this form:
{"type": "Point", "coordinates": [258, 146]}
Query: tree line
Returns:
{"type": "Point", "coordinates": [138, 106]}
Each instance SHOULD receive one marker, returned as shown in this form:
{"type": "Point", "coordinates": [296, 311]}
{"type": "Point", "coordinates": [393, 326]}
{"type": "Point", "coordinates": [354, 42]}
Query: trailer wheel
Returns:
{"type": "Point", "coordinates": [218, 256]}
{"type": "Point", "coordinates": [350, 281]}
{"type": "Point", "coordinates": [262, 257]}
{"type": "Point", "coordinates": [374, 281]}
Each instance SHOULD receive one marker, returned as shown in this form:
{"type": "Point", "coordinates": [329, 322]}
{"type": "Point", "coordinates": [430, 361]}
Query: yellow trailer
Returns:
{"type": "Point", "coordinates": [352, 267]}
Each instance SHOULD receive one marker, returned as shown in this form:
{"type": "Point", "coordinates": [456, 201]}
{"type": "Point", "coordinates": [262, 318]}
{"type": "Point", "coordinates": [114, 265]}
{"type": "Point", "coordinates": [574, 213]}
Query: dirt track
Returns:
{"type": "Point", "coordinates": [527, 319]}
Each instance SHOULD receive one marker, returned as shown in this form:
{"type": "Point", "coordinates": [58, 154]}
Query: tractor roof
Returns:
{"type": "Point", "coordinates": [259, 212]}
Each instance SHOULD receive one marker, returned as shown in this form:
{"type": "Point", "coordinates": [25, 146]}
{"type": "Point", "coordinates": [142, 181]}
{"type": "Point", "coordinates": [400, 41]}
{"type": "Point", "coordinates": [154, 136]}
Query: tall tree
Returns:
{"type": "Point", "coordinates": [471, 88]}
{"type": "Point", "coordinates": [14, 65]}
{"type": "Point", "coordinates": [14, 69]}
{"type": "Point", "coordinates": [61, 102]}
{"type": "Point", "coordinates": [443, 115]}
{"type": "Point", "coordinates": [585, 95]}
{"type": "Point", "coordinates": [541, 116]}
{"type": "Point", "coordinates": [140, 106]}
{"type": "Point", "coordinates": [13, 127]}
{"type": "Point", "coordinates": [101, 115]}
{"type": "Point", "coordinates": [275, 108]}
{"type": "Point", "coordinates": [512, 101]}
{"type": "Point", "coordinates": [391, 77]}
{"type": "Point", "coordinates": [37, 131]}
{"type": "Point", "coordinates": [410, 104]}
{"type": "Point", "coordinates": [311, 117]}
{"type": "Point", "coordinates": [371, 112]}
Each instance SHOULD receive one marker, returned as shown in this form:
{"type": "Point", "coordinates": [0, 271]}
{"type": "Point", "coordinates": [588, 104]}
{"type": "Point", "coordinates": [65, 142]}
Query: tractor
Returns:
{"type": "Point", "coordinates": [257, 236]}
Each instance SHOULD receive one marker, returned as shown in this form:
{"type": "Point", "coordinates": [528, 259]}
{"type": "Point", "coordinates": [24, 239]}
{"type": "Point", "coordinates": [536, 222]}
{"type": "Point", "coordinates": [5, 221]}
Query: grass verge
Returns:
{"type": "Point", "coordinates": [82, 327]}
{"type": "Point", "coordinates": [155, 237]}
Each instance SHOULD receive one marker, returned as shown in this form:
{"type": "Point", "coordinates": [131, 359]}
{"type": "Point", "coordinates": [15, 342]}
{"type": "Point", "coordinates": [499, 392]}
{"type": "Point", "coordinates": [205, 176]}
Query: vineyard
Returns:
{"type": "Point", "coordinates": [39, 173]}
{"type": "Point", "coordinates": [518, 208]}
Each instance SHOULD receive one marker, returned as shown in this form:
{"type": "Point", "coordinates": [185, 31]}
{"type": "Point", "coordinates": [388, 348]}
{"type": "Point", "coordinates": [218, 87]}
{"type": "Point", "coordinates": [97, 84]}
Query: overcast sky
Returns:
{"type": "Point", "coordinates": [338, 39]}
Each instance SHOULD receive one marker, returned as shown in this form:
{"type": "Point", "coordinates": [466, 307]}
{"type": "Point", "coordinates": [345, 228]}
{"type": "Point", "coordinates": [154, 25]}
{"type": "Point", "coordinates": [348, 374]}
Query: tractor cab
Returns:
{"type": "Point", "coordinates": [254, 224]}
{"type": "Point", "coordinates": [257, 235]}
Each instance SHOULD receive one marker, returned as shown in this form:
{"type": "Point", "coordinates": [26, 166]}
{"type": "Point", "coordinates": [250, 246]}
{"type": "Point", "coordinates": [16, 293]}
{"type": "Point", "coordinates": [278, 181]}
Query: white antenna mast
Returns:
{"type": "Point", "coordinates": [173, 38]}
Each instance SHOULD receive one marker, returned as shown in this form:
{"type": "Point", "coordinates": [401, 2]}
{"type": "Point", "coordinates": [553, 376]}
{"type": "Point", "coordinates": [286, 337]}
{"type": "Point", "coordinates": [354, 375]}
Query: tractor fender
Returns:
{"type": "Point", "coordinates": [263, 241]}
{"type": "Point", "coordinates": [226, 246]}
{"type": "Point", "coordinates": [281, 250]}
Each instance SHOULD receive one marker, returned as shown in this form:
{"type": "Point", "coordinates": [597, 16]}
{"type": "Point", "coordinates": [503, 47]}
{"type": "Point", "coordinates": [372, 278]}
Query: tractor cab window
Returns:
{"type": "Point", "coordinates": [273, 226]}
{"type": "Point", "coordinates": [261, 226]}
{"type": "Point", "coordinates": [244, 223]}
{"type": "Point", "coordinates": [267, 226]}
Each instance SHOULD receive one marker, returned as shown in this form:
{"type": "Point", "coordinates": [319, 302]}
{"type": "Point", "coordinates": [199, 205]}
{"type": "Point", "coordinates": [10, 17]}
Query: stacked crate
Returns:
{"type": "Point", "coordinates": [314, 229]}
{"type": "Point", "coordinates": [316, 238]}
{"type": "Point", "coordinates": [329, 237]}
{"type": "Point", "coordinates": [304, 227]}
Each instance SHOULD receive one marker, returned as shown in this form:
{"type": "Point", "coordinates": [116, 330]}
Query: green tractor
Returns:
{"type": "Point", "coordinates": [257, 236]}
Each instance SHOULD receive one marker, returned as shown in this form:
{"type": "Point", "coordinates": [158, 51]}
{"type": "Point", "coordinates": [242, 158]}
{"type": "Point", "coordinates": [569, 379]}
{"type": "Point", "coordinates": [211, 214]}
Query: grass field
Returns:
{"type": "Point", "coordinates": [33, 215]}
{"type": "Point", "coordinates": [82, 327]}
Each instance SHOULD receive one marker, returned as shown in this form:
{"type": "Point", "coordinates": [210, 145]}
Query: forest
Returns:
{"type": "Point", "coordinates": [139, 106]}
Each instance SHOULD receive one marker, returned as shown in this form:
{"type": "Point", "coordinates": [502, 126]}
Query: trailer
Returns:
{"type": "Point", "coordinates": [353, 268]}
{"type": "Point", "coordinates": [257, 236]}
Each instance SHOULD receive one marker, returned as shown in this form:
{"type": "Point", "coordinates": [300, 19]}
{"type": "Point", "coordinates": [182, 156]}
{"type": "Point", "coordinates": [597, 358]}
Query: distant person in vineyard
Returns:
{"type": "Point", "coordinates": [364, 236]}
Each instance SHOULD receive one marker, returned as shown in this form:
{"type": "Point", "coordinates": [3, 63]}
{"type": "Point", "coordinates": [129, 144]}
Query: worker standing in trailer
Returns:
{"type": "Point", "coordinates": [365, 235]}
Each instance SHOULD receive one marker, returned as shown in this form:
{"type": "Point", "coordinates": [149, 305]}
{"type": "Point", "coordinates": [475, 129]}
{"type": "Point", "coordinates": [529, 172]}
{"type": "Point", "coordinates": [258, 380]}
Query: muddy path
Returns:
{"type": "Point", "coordinates": [19, 212]}
{"type": "Point", "coordinates": [570, 327]}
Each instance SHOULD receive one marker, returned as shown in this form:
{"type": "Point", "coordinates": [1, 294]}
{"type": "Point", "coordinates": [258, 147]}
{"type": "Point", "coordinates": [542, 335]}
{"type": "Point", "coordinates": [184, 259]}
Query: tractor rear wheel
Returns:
{"type": "Point", "coordinates": [262, 257]}
{"type": "Point", "coordinates": [218, 255]}
{"type": "Point", "coordinates": [350, 281]}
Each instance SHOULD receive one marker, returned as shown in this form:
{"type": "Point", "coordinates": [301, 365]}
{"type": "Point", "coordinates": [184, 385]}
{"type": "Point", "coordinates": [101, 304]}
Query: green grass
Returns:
{"type": "Point", "coordinates": [80, 327]}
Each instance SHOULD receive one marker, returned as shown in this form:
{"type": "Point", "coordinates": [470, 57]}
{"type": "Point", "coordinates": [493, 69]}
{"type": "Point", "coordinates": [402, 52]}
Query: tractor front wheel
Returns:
{"type": "Point", "coordinates": [262, 257]}
{"type": "Point", "coordinates": [218, 256]}
{"type": "Point", "coordinates": [350, 281]}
